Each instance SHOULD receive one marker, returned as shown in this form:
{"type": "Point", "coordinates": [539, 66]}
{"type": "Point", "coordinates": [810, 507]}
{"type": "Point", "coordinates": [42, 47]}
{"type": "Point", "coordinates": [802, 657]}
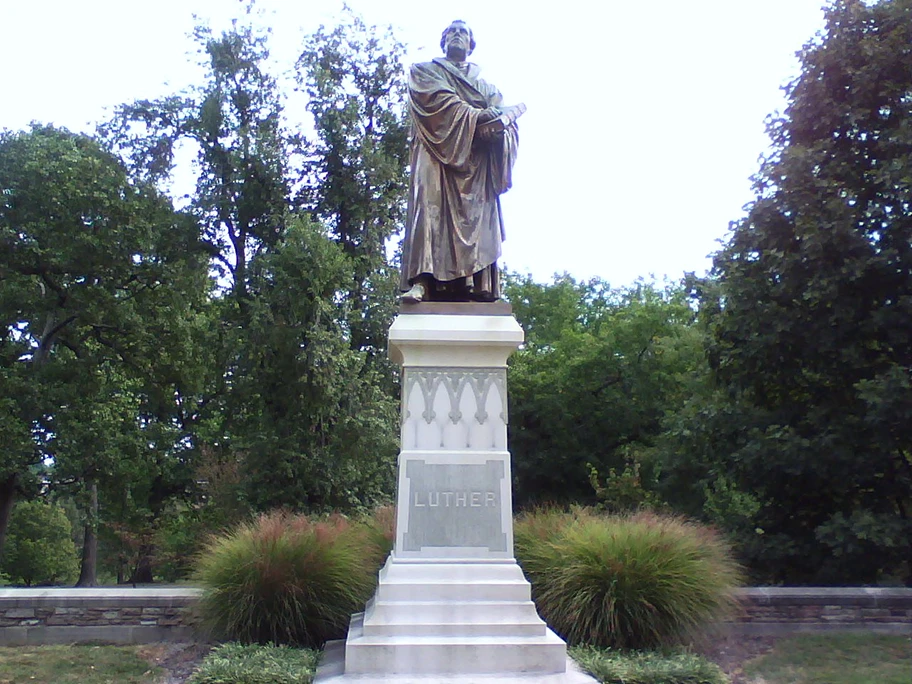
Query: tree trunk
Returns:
{"type": "Point", "coordinates": [88, 574]}
{"type": "Point", "coordinates": [142, 573]}
{"type": "Point", "coordinates": [7, 499]}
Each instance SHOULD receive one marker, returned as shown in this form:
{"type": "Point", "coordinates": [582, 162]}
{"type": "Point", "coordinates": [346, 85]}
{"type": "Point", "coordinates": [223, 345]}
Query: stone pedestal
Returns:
{"type": "Point", "coordinates": [452, 604]}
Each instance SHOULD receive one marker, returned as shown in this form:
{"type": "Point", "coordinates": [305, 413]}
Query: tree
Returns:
{"type": "Point", "coordinates": [293, 402]}
{"type": "Point", "coordinates": [101, 277]}
{"type": "Point", "coordinates": [599, 369]}
{"type": "Point", "coordinates": [356, 170]}
{"type": "Point", "coordinates": [41, 550]}
{"type": "Point", "coordinates": [234, 121]}
{"type": "Point", "coordinates": [316, 430]}
{"type": "Point", "coordinates": [815, 294]}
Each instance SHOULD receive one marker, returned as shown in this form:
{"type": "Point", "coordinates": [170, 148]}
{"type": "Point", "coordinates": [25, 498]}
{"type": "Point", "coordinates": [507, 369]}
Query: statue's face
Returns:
{"type": "Point", "coordinates": [458, 39]}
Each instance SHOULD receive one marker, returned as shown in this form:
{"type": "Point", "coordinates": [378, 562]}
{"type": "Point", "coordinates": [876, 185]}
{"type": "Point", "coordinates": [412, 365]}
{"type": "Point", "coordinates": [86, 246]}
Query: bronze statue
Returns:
{"type": "Point", "coordinates": [464, 143]}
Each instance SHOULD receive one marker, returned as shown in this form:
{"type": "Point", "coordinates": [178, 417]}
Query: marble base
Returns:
{"type": "Point", "coordinates": [452, 605]}
{"type": "Point", "coordinates": [452, 617]}
{"type": "Point", "coordinates": [332, 671]}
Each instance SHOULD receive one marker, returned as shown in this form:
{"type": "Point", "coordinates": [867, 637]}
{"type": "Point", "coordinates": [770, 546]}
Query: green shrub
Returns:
{"type": "Point", "coordinates": [624, 492]}
{"type": "Point", "coordinates": [177, 540]}
{"type": "Point", "coordinates": [286, 579]}
{"type": "Point", "coordinates": [637, 581]}
{"type": "Point", "coordinates": [253, 664]}
{"type": "Point", "coordinates": [39, 546]}
{"type": "Point", "coordinates": [616, 667]}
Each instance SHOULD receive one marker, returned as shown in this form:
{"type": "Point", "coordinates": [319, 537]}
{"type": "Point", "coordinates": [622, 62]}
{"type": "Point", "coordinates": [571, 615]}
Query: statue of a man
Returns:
{"type": "Point", "coordinates": [464, 144]}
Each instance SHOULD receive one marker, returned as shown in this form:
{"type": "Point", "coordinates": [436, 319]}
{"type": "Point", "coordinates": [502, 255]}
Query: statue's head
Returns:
{"type": "Point", "coordinates": [457, 35]}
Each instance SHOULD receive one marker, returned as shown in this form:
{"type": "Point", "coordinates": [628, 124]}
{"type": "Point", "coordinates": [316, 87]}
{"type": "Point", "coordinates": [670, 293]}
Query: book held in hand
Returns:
{"type": "Point", "coordinates": [508, 116]}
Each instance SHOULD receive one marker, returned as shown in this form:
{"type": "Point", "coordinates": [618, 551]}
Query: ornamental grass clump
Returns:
{"type": "Point", "coordinates": [381, 527]}
{"type": "Point", "coordinates": [285, 579]}
{"type": "Point", "coordinates": [640, 581]}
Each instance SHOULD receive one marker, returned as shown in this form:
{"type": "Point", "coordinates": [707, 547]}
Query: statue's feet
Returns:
{"type": "Point", "coordinates": [416, 294]}
{"type": "Point", "coordinates": [482, 297]}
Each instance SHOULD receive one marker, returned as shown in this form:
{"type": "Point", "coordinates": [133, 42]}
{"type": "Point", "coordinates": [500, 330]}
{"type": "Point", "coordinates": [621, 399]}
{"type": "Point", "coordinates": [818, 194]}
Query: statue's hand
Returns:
{"type": "Point", "coordinates": [489, 114]}
{"type": "Point", "coordinates": [489, 134]}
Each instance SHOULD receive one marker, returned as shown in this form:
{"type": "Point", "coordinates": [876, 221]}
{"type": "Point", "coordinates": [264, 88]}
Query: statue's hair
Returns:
{"type": "Point", "coordinates": [444, 34]}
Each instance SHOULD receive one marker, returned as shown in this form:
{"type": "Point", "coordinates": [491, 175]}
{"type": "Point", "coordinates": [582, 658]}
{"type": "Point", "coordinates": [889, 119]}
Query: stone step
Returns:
{"type": "Point", "coordinates": [405, 622]}
{"type": "Point", "coordinates": [432, 612]}
{"type": "Point", "coordinates": [441, 654]}
{"type": "Point", "coordinates": [452, 618]}
{"type": "Point", "coordinates": [332, 671]}
{"type": "Point", "coordinates": [456, 629]}
{"type": "Point", "coordinates": [464, 570]}
{"type": "Point", "coordinates": [448, 590]}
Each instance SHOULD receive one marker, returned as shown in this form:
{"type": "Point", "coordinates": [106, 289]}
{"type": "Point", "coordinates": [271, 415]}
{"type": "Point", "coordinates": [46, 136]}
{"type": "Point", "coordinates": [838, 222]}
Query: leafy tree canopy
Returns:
{"type": "Point", "coordinates": [101, 284]}
{"type": "Point", "coordinates": [597, 372]}
{"type": "Point", "coordinates": [40, 548]}
{"type": "Point", "coordinates": [815, 308]}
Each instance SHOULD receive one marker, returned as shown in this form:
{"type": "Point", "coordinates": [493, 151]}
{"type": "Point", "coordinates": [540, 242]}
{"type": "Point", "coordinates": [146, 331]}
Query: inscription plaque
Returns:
{"type": "Point", "coordinates": [453, 505]}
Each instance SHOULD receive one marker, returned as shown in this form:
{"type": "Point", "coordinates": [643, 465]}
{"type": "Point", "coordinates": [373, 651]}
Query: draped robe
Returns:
{"type": "Point", "coordinates": [454, 226]}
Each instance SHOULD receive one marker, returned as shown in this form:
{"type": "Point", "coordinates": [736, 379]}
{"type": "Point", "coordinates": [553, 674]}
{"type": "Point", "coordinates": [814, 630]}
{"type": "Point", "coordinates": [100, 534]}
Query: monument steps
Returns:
{"type": "Point", "coordinates": [332, 671]}
{"type": "Point", "coordinates": [410, 569]}
{"type": "Point", "coordinates": [440, 654]}
{"type": "Point", "coordinates": [431, 612]}
{"type": "Point", "coordinates": [444, 591]}
{"type": "Point", "coordinates": [455, 628]}
{"type": "Point", "coordinates": [452, 618]}
{"type": "Point", "coordinates": [452, 604]}
{"type": "Point", "coordinates": [467, 582]}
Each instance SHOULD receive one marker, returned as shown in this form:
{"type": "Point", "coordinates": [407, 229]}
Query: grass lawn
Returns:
{"type": "Point", "coordinates": [646, 667]}
{"type": "Point", "coordinates": [835, 659]}
{"type": "Point", "coordinates": [803, 659]}
{"type": "Point", "coordinates": [83, 664]}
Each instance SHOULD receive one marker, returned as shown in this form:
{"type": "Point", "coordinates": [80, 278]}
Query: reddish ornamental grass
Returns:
{"type": "Point", "coordinates": [637, 581]}
{"type": "Point", "coordinates": [287, 579]}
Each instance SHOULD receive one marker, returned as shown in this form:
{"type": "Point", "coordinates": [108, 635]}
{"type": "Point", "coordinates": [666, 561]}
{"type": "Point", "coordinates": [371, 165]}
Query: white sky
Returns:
{"type": "Point", "coordinates": [645, 119]}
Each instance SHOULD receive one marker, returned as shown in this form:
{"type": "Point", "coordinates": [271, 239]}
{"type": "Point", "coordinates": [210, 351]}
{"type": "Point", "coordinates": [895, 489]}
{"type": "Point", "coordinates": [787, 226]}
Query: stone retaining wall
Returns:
{"type": "Point", "coordinates": [781, 610]}
{"type": "Point", "coordinates": [128, 615]}
{"type": "Point", "coordinates": [123, 615]}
